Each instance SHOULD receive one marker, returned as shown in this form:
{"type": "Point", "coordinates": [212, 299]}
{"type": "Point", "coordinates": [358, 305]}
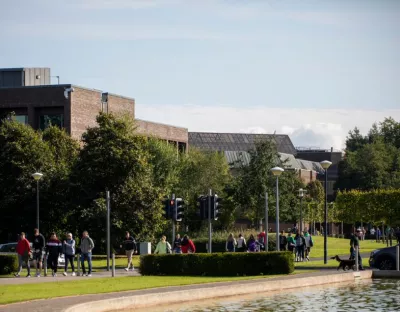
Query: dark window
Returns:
{"type": "Point", "coordinates": [46, 121]}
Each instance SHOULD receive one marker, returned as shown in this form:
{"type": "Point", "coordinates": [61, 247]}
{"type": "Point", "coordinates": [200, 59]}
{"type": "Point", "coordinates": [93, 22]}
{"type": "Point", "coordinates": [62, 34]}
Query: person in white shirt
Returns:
{"type": "Point", "coordinates": [241, 244]}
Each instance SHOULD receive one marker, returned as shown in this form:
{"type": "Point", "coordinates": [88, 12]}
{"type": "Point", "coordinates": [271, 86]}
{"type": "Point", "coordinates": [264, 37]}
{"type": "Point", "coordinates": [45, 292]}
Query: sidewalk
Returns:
{"type": "Point", "coordinates": [62, 278]}
{"type": "Point", "coordinates": [59, 304]}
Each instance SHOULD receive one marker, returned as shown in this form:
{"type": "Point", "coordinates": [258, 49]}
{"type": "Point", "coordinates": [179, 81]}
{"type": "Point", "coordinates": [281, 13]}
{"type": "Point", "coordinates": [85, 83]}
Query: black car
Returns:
{"type": "Point", "coordinates": [383, 259]}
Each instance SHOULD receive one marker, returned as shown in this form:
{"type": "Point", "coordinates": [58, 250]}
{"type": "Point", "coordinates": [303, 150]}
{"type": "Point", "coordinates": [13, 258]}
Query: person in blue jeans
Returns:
{"type": "Point", "coordinates": [87, 246]}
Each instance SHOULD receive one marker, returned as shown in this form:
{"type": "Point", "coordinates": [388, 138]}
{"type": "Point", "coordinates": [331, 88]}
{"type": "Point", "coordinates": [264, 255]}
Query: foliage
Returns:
{"type": "Point", "coordinates": [375, 206]}
{"type": "Point", "coordinates": [372, 161]}
{"type": "Point", "coordinates": [8, 264]}
{"type": "Point", "coordinates": [255, 179]}
{"type": "Point", "coordinates": [218, 264]}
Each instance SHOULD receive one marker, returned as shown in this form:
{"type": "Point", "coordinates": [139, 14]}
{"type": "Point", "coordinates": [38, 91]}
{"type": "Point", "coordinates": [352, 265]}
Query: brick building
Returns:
{"type": "Point", "coordinates": [28, 95]}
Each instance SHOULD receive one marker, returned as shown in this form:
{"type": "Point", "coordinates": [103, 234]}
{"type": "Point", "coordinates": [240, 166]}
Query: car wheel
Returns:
{"type": "Point", "coordinates": [386, 264]}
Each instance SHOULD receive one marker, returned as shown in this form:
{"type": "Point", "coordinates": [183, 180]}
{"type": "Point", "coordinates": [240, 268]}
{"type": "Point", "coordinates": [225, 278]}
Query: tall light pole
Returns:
{"type": "Point", "coordinates": [325, 165]}
{"type": "Point", "coordinates": [277, 171]}
{"type": "Point", "coordinates": [301, 195]}
{"type": "Point", "coordinates": [37, 176]}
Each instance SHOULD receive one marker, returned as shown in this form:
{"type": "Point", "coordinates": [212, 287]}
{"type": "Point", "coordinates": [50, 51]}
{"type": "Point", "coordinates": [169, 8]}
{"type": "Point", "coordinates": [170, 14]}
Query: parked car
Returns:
{"type": "Point", "coordinates": [383, 259]}
{"type": "Point", "coordinates": [10, 248]}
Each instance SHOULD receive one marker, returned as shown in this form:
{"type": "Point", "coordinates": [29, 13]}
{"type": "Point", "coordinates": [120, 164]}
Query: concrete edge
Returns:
{"type": "Point", "coordinates": [215, 291]}
{"type": "Point", "coordinates": [385, 274]}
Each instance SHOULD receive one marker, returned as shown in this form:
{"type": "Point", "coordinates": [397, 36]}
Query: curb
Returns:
{"type": "Point", "coordinates": [215, 291]}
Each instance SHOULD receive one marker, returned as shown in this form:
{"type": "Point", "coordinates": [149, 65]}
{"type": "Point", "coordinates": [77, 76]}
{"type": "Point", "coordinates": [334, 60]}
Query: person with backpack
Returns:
{"type": "Point", "coordinates": [163, 247]}
{"type": "Point", "coordinates": [300, 244]}
{"type": "Point", "coordinates": [282, 241]}
{"type": "Point", "coordinates": [87, 246]}
{"type": "Point", "coordinates": [23, 250]}
{"type": "Point", "coordinates": [69, 253]}
{"type": "Point", "coordinates": [130, 247]}
{"type": "Point", "coordinates": [230, 243]}
{"type": "Point", "coordinates": [53, 251]}
{"type": "Point", "coordinates": [309, 243]}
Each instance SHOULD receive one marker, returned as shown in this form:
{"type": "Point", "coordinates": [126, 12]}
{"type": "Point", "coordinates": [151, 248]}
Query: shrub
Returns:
{"type": "Point", "coordinates": [8, 264]}
{"type": "Point", "coordinates": [218, 264]}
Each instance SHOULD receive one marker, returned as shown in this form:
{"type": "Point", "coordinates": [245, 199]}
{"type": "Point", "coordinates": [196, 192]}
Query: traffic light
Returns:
{"type": "Point", "coordinates": [179, 209]}
{"type": "Point", "coordinates": [168, 208]}
{"type": "Point", "coordinates": [215, 207]}
{"type": "Point", "coordinates": [203, 207]}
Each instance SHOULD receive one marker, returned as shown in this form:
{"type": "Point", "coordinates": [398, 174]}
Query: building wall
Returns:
{"type": "Point", "coordinates": [86, 105]}
{"type": "Point", "coordinates": [307, 176]}
{"type": "Point", "coordinates": [165, 132]}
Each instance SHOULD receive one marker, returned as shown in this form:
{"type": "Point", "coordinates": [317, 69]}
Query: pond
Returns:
{"type": "Point", "coordinates": [365, 295]}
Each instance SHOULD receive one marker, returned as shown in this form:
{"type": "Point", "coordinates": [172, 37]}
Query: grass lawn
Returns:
{"type": "Point", "coordinates": [340, 246]}
{"type": "Point", "coordinates": [17, 293]}
{"type": "Point", "coordinates": [320, 264]}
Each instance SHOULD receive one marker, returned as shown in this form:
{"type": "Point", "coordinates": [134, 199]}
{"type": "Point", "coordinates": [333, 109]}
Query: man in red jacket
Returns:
{"type": "Point", "coordinates": [23, 251]}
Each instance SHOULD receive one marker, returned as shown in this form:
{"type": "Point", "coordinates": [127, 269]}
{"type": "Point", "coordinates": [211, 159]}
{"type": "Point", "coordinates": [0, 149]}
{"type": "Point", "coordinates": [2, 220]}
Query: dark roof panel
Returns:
{"type": "Point", "coordinates": [238, 141]}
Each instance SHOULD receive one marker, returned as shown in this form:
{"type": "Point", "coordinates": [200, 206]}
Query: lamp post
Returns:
{"type": "Point", "coordinates": [325, 165]}
{"type": "Point", "coordinates": [37, 176]}
{"type": "Point", "coordinates": [277, 171]}
{"type": "Point", "coordinates": [301, 195]}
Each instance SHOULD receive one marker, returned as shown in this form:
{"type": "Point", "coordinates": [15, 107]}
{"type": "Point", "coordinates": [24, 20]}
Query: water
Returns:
{"type": "Point", "coordinates": [366, 295]}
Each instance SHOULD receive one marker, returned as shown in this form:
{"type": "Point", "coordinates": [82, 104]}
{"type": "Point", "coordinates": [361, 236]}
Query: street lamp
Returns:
{"type": "Point", "coordinates": [325, 165]}
{"type": "Point", "coordinates": [277, 171]}
{"type": "Point", "coordinates": [301, 195]}
{"type": "Point", "coordinates": [37, 176]}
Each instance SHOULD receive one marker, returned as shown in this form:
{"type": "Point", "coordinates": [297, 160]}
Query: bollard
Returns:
{"type": "Point", "coordinates": [356, 258]}
{"type": "Point", "coordinates": [45, 265]}
{"type": "Point", "coordinates": [78, 265]}
{"type": "Point", "coordinates": [398, 257]}
{"type": "Point", "coordinates": [113, 265]}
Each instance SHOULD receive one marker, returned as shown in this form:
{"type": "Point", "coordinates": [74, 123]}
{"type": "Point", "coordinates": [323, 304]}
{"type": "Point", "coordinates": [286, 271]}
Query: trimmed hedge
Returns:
{"type": "Point", "coordinates": [8, 264]}
{"type": "Point", "coordinates": [218, 264]}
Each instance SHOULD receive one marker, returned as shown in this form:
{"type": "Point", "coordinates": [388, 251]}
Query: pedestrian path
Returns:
{"type": "Point", "coordinates": [62, 278]}
{"type": "Point", "coordinates": [60, 304]}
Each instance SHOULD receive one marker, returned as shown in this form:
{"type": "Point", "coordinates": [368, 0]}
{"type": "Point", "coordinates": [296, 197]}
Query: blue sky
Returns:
{"type": "Point", "coordinates": [311, 68]}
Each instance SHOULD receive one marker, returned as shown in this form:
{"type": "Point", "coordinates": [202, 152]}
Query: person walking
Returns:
{"type": "Point", "coordinates": [354, 245]}
{"type": "Point", "coordinates": [87, 246]}
{"type": "Point", "coordinates": [252, 244]}
{"type": "Point", "coordinates": [241, 243]}
{"type": "Point", "coordinates": [23, 250]}
{"type": "Point", "coordinates": [300, 243]}
{"type": "Point", "coordinates": [291, 242]}
{"type": "Point", "coordinates": [69, 253]}
{"type": "Point", "coordinates": [378, 234]}
{"type": "Point", "coordinates": [163, 247]}
{"type": "Point", "coordinates": [398, 234]}
{"type": "Point", "coordinates": [188, 245]}
{"type": "Point", "coordinates": [130, 247]}
{"type": "Point", "coordinates": [308, 244]}
{"type": "Point", "coordinates": [178, 244]}
{"type": "Point", "coordinates": [38, 246]}
{"type": "Point", "coordinates": [282, 241]}
{"type": "Point", "coordinates": [53, 251]}
{"type": "Point", "coordinates": [230, 243]}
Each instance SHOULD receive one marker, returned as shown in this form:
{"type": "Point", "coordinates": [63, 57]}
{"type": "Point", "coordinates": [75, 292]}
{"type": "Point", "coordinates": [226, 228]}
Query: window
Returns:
{"type": "Point", "coordinates": [46, 121]}
{"type": "Point", "coordinates": [20, 118]}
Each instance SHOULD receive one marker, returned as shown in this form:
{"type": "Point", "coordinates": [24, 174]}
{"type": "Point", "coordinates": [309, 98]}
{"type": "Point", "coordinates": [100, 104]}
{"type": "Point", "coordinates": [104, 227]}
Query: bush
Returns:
{"type": "Point", "coordinates": [8, 264]}
{"type": "Point", "coordinates": [218, 264]}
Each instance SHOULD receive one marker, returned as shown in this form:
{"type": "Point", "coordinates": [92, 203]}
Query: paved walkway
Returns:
{"type": "Point", "coordinates": [59, 304]}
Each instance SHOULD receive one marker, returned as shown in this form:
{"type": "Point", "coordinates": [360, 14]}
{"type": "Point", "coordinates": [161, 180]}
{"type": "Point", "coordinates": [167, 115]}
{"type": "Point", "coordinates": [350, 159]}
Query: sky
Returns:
{"type": "Point", "coordinates": [313, 69]}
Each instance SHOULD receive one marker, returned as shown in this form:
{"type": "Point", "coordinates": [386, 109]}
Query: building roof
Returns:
{"type": "Point", "coordinates": [238, 141]}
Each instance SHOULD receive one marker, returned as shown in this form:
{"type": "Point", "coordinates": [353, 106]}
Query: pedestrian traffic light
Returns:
{"type": "Point", "coordinates": [167, 208]}
{"type": "Point", "coordinates": [215, 207]}
{"type": "Point", "coordinates": [179, 209]}
{"type": "Point", "coordinates": [203, 207]}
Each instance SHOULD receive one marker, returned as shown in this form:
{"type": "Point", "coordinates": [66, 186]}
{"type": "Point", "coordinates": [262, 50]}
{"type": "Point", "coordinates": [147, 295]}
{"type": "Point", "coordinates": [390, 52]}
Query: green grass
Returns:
{"type": "Point", "coordinates": [25, 292]}
{"type": "Point", "coordinates": [320, 264]}
{"type": "Point", "coordinates": [340, 246]}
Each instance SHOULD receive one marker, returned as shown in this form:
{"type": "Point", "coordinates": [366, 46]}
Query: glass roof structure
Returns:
{"type": "Point", "coordinates": [238, 141]}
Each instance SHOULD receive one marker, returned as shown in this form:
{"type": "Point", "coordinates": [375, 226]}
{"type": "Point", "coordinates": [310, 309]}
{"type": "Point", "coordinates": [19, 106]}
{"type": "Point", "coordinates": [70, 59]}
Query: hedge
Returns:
{"type": "Point", "coordinates": [218, 264]}
{"type": "Point", "coordinates": [8, 264]}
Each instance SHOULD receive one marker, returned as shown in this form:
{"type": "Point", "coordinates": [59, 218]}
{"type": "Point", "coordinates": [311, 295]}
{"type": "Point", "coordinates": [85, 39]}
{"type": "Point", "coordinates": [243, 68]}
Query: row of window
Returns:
{"type": "Point", "coordinates": [45, 121]}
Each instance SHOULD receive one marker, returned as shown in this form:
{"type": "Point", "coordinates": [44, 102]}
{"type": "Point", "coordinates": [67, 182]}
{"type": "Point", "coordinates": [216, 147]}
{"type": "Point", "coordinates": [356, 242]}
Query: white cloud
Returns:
{"type": "Point", "coordinates": [323, 128]}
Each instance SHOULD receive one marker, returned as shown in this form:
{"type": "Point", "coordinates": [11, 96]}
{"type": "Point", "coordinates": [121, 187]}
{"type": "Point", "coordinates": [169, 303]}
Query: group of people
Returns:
{"type": "Point", "coordinates": [53, 249]}
{"type": "Point", "coordinates": [180, 246]}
